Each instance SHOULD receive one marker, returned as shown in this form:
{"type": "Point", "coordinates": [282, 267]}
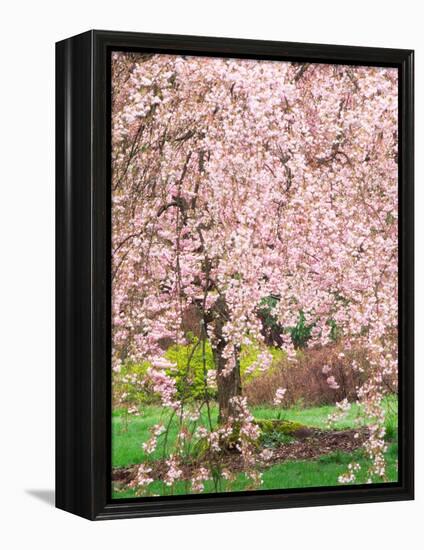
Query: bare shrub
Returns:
{"type": "Point", "coordinates": [306, 382]}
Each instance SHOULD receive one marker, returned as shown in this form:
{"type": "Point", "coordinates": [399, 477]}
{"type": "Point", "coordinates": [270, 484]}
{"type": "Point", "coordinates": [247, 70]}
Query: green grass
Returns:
{"type": "Point", "coordinates": [317, 416]}
{"type": "Point", "coordinates": [127, 439]}
{"type": "Point", "coordinates": [322, 472]}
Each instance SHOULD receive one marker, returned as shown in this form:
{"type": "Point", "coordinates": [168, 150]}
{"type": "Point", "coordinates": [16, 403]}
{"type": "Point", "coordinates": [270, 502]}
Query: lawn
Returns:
{"type": "Point", "coordinates": [128, 434]}
{"type": "Point", "coordinates": [322, 472]}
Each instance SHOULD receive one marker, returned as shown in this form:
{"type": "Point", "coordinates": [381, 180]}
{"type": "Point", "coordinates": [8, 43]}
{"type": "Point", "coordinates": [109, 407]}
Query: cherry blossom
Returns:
{"type": "Point", "coordinates": [234, 180]}
{"type": "Point", "coordinates": [279, 395]}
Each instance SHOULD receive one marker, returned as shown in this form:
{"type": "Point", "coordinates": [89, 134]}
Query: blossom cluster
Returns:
{"type": "Point", "coordinates": [234, 180]}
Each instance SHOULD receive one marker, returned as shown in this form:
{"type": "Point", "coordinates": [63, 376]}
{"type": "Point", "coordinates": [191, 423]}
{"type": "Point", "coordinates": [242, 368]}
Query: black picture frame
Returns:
{"type": "Point", "coordinates": [83, 297]}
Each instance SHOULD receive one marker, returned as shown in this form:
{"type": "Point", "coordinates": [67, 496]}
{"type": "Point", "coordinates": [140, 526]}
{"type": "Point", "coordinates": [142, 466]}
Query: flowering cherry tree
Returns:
{"type": "Point", "coordinates": [234, 180]}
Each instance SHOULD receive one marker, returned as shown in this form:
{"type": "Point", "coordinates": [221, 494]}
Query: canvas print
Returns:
{"type": "Point", "coordinates": [254, 275]}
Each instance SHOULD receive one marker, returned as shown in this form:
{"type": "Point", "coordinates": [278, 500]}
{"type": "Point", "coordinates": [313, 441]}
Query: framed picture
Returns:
{"type": "Point", "coordinates": [234, 274]}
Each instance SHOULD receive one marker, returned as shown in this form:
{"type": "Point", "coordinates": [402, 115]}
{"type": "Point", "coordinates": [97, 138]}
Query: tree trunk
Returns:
{"type": "Point", "coordinates": [229, 385]}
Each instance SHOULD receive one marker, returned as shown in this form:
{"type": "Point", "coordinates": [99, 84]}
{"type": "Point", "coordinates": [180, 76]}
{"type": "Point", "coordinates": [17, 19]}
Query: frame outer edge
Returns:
{"type": "Point", "coordinates": [81, 247]}
{"type": "Point", "coordinates": [406, 294]}
{"type": "Point", "coordinates": [74, 416]}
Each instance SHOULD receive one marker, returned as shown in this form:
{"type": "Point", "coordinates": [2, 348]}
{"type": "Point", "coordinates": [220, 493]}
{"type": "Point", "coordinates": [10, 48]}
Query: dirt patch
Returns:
{"type": "Point", "coordinates": [312, 445]}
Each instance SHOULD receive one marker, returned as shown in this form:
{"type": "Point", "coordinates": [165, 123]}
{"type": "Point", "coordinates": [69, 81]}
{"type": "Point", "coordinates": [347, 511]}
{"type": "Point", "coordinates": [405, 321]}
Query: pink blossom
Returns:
{"type": "Point", "coordinates": [331, 381]}
{"type": "Point", "coordinates": [279, 395]}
